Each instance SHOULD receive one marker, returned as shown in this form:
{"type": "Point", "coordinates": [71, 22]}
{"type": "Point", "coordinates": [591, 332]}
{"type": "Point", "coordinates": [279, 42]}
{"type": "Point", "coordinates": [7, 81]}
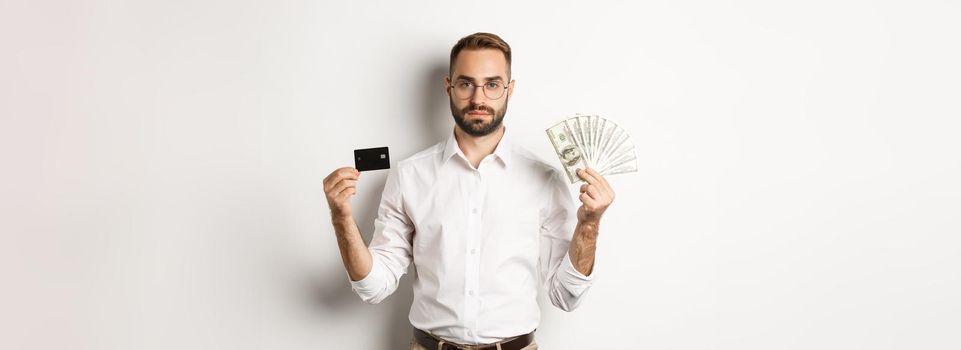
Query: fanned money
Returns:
{"type": "Point", "coordinates": [592, 141]}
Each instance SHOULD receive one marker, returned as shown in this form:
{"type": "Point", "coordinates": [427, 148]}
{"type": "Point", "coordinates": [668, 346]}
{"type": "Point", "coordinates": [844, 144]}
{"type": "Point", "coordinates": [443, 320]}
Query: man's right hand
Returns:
{"type": "Point", "coordinates": [339, 186]}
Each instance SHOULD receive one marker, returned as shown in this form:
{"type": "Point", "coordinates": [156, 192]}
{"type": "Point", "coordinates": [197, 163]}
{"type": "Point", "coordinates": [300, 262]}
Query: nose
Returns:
{"type": "Point", "coordinates": [477, 96]}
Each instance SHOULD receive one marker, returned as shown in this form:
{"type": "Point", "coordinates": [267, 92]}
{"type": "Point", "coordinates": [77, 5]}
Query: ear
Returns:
{"type": "Point", "coordinates": [510, 88]}
{"type": "Point", "coordinates": [447, 86]}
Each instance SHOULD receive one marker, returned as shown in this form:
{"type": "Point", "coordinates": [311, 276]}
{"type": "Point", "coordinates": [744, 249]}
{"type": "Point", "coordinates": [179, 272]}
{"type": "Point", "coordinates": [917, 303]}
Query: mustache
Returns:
{"type": "Point", "coordinates": [476, 107]}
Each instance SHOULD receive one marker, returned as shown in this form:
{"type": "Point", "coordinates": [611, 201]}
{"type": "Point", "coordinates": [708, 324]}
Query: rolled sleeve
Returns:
{"type": "Point", "coordinates": [390, 248]}
{"type": "Point", "coordinates": [566, 286]}
{"type": "Point", "coordinates": [570, 276]}
{"type": "Point", "coordinates": [370, 288]}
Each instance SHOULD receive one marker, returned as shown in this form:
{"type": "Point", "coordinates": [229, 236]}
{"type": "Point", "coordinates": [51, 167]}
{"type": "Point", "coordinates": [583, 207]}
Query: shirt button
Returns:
{"type": "Point", "coordinates": [474, 210]}
{"type": "Point", "coordinates": [470, 292]}
{"type": "Point", "coordinates": [473, 251]}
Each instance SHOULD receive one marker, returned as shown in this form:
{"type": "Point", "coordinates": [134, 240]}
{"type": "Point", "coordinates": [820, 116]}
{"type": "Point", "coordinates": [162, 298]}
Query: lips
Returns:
{"type": "Point", "coordinates": [477, 111]}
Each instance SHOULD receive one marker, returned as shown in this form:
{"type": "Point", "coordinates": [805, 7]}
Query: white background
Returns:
{"type": "Point", "coordinates": [162, 165]}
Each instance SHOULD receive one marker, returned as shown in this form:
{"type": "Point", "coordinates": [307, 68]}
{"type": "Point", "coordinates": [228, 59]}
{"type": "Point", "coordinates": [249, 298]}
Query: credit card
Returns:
{"type": "Point", "coordinates": [371, 159]}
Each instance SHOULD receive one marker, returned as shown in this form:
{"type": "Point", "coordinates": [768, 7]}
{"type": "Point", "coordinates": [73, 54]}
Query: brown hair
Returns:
{"type": "Point", "coordinates": [477, 41]}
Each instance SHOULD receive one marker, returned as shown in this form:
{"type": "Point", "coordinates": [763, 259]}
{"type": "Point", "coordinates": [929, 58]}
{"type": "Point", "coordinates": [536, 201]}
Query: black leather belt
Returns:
{"type": "Point", "coordinates": [431, 342]}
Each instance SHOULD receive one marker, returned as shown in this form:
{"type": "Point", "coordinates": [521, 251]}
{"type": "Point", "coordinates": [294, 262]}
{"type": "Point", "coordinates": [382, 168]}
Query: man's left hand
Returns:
{"type": "Point", "coordinates": [596, 196]}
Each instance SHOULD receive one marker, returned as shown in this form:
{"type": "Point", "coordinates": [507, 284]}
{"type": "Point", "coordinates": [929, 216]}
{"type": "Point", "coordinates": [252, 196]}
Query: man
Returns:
{"type": "Point", "coordinates": [485, 222]}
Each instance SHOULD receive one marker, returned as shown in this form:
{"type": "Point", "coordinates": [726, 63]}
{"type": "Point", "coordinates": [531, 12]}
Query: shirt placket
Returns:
{"type": "Point", "coordinates": [472, 253]}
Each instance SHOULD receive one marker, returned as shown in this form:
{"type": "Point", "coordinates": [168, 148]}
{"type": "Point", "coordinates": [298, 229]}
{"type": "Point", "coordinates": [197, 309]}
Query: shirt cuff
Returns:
{"type": "Point", "coordinates": [570, 275]}
{"type": "Point", "coordinates": [370, 284]}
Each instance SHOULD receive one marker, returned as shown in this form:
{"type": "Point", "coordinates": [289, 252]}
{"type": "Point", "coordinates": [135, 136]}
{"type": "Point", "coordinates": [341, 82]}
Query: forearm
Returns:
{"type": "Point", "coordinates": [583, 246]}
{"type": "Point", "coordinates": [353, 251]}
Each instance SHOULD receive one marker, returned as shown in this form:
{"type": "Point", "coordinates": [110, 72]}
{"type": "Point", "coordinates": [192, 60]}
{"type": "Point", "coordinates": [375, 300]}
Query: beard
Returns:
{"type": "Point", "coordinates": [478, 127]}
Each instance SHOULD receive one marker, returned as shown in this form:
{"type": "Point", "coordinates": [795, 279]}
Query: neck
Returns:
{"type": "Point", "coordinates": [477, 147]}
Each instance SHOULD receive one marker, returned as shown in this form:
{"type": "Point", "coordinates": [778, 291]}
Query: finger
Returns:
{"type": "Point", "coordinates": [342, 185]}
{"type": "Point", "coordinates": [600, 179]}
{"type": "Point", "coordinates": [329, 179]}
{"type": "Point", "coordinates": [586, 199]}
{"type": "Point", "coordinates": [604, 186]}
{"type": "Point", "coordinates": [584, 188]}
{"type": "Point", "coordinates": [340, 174]}
{"type": "Point", "coordinates": [594, 193]}
{"type": "Point", "coordinates": [350, 191]}
{"type": "Point", "coordinates": [586, 176]}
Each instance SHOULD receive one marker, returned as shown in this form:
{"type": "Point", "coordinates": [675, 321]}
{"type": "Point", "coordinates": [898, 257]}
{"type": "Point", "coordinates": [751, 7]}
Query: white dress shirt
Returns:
{"type": "Point", "coordinates": [483, 241]}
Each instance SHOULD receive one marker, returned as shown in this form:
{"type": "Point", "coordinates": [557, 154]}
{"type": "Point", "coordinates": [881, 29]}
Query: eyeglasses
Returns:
{"type": "Point", "coordinates": [464, 89]}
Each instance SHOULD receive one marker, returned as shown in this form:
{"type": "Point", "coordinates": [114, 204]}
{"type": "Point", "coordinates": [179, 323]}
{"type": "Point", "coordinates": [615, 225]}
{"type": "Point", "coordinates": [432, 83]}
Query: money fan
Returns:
{"type": "Point", "coordinates": [592, 141]}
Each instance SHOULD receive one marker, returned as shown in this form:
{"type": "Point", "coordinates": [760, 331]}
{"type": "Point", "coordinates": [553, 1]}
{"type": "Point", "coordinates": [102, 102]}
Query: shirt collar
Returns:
{"type": "Point", "coordinates": [502, 151]}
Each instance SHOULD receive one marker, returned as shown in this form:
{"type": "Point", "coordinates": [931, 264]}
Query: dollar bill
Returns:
{"type": "Point", "coordinates": [590, 141]}
{"type": "Point", "coordinates": [570, 154]}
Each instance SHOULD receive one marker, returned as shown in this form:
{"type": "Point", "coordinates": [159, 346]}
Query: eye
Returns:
{"type": "Point", "coordinates": [493, 85]}
{"type": "Point", "coordinates": [464, 84]}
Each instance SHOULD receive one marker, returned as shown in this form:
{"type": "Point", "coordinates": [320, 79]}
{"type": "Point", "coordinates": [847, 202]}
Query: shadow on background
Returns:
{"type": "Point", "coordinates": [333, 290]}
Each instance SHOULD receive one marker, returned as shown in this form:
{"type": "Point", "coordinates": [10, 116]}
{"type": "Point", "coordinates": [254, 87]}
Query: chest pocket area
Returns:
{"type": "Point", "coordinates": [516, 235]}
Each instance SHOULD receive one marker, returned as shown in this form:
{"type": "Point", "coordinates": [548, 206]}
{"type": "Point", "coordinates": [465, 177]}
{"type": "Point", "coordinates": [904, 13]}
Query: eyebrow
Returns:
{"type": "Point", "coordinates": [464, 77]}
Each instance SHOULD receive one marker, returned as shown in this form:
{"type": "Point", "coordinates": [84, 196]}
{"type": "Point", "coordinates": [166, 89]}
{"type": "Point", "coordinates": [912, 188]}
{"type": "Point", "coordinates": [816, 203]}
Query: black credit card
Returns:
{"type": "Point", "coordinates": [371, 159]}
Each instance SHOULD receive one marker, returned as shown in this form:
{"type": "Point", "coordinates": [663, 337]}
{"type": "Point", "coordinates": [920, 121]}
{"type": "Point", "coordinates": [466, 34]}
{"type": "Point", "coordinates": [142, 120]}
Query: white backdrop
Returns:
{"type": "Point", "coordinates": [162, 165]}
